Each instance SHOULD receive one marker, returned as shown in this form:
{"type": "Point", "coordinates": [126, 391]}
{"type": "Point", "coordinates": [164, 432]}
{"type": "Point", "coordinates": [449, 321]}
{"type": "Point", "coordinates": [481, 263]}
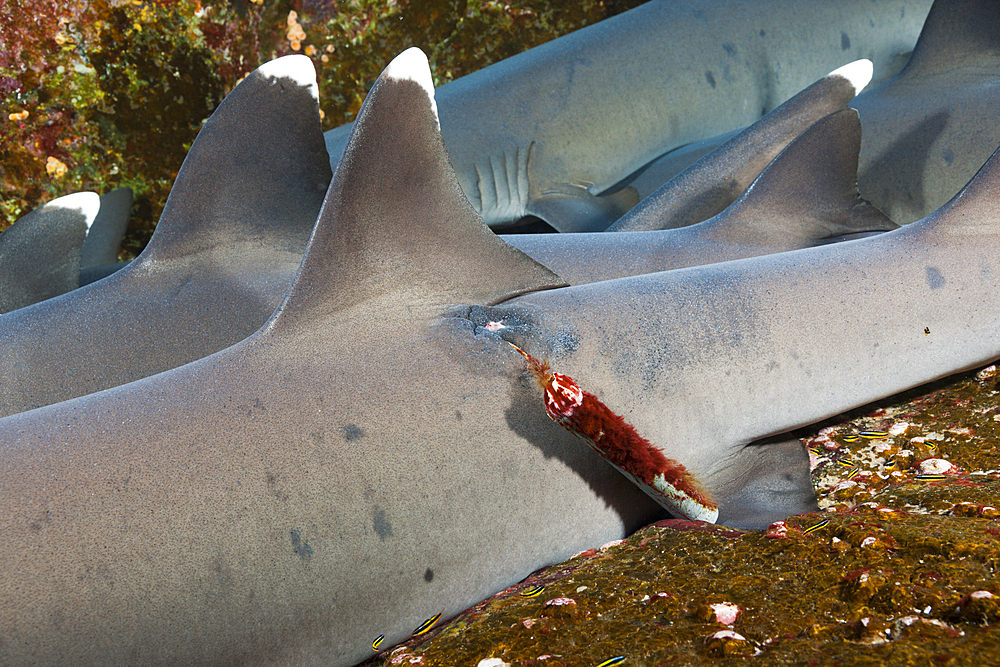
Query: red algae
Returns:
{"type": "Point", "coordinates": [617, 441]}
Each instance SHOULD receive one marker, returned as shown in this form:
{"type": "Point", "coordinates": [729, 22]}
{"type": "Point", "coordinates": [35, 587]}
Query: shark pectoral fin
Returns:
{"type": "Point", "coordinates": [395, 225]}
{"type": "Point", "coordinates": [256, 172]}
{"type": "Point", "coordinates": [764, 482]}
{"type": "Point", "coordinates": [105, 235]}
{"type": "Point", "coordinates": [40, 253]}
{"type": "Point", "coordinates": [810, 189]}
{"type": "Point", "coordinates": [580, 211]}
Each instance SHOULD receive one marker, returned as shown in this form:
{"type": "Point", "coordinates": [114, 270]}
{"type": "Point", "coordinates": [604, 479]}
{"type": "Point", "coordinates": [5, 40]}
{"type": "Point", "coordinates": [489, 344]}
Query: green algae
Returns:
{"type": "Point", "coordinates": [895, 571]}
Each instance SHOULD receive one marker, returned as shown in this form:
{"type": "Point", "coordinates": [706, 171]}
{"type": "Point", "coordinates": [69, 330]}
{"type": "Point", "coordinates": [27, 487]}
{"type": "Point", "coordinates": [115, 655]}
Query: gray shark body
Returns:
{"type": "Point", "coordinates": [929, 129]}
{"type": "Point", "coordinates": [545, 132]}
{"type": "Point", "coordinates": [225, 250]}
{"type": "Point", "coordinates": [806, 196]}
{"type": "Point", "coordinates": [376, 454]}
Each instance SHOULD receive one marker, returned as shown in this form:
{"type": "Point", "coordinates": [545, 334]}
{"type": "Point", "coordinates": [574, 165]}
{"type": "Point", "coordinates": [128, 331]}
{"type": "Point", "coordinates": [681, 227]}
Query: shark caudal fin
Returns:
{"type": "Point", "coordinates": [717, 179]}
{"type": "Point", "coordinates": [956, 34]}
{"type": "Point", "coordinates": [40, 253]}
{"type": "Point", "coordinates": [395, 222]}
{"type": "Point", "coordinates": [256, 172]}
{"type": "Point", "coordinates": [105, 235]}
{"type": "Point", "coordinates": [811, 189]}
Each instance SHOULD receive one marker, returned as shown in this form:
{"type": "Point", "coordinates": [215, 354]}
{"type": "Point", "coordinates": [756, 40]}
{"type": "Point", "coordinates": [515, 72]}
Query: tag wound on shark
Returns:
{"type": "Point", "coordinates": [583, 414]}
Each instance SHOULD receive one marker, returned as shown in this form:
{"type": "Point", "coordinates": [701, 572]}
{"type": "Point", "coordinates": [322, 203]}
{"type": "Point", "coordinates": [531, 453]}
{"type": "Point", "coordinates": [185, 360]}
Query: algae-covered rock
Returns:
{"type": "Point", "coordinates": [899, 568]}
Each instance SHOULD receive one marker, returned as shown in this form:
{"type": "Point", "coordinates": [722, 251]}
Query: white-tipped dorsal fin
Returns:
{"type": "Point", "coordinates": [40, 253]}
{"type": "Point", "coordinates": [296, 67]}
{"type": "Point", "coordinates": [87, 204]}
{"type": "Point", "coordinates": [395, 224]}
{"type": "Point", "coordinates": [256, 172]}
{"type": "Point", "coordinates": [859, 73]}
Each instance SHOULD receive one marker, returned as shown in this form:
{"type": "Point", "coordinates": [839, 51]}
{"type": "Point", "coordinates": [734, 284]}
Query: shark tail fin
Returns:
{"type": "Point", "coordinates": [811, 188]}
{"type": "Point", "coordinates": [256, 172]}
{"type": "Point", "coordinates": [956, 33]}
{"type": "Point", "coordinates": [395, 223]}
{"type": "Point", "coordinates": [40, 253]}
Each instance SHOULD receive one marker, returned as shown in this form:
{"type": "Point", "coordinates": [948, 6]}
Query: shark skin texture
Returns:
{"type": "Point", "coordinates": [806, 196]}
{"type": "Point", "coordinates": [544, 132]}
{"type": "Point", "coordinates": [376, 438]}
{"type": "Point", "coordinates": [40, 253]}
{"type": "Point", "coordinates": [718, 178]}
{"type": "Point", "coordinates": [929, 129]}
{"type": "Point", "coordinates": [227, 246]}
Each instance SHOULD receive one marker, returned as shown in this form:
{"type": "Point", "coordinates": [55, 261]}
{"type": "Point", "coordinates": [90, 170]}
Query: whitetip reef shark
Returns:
{"type": "Point", "coordinates": [548, 131]}
{"type": "Point", "coordinates": [361, 462]}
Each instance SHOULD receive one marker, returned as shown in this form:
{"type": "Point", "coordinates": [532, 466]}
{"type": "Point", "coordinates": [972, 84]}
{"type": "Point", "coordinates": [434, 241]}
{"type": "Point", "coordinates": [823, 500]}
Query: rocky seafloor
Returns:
{"type": "Point", "coordinates": [899, 567]}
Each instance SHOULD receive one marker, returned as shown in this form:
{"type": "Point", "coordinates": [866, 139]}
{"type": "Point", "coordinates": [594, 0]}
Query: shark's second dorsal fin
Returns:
{"type": "Point", "coordinates": [395, 221]}
{"type": "Point", "coordinates": [957, 34]}
{"type": "Point", "coordinates": [256, 172]}
{"type": "Point", "coordinates": [813, 185]}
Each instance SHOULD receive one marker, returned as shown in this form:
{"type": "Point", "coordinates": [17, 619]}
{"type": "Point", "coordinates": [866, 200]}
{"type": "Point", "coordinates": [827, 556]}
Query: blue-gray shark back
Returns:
{"type": "Point", "coordinates": [546, 131]}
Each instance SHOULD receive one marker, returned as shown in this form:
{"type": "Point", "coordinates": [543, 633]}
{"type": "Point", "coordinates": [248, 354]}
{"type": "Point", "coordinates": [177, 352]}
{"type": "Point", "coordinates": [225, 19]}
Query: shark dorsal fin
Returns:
{"type": "Point", "coordinates": [256, 172]}
{"type": "Point", "coordinates": [395, 222]}
{"type": "Point", "coordinates": [811, 187]}
{"type": "Point", "coordinates": [40, 253]}
{"type": "Point", "coordinates": [957, 34]}
{"type": "Point", "coordinates": [105, 235]}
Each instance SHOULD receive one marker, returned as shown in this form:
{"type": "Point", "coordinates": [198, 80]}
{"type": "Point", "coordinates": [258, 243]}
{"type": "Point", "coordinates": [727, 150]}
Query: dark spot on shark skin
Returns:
{"type": "Point", "coordinates": [763, 33]}
{"type": "Point", "coordinates": [300, 546]}
{"type": "Point", "coordinates": [730, 48]}
{"type": "Point", "coordinates": [948, 155]}
{"type": "Point", "coordinates": [353, 432]}
{"type": "Point", "coordinates": [845, 41]}
{"type": "Point", "coordinates": [934, 277]}
{"type": "Point", "coordinates": [382, 526]}
{"type": "Point", "coordinates": [458, 416]}
{"type": "Point", "coordinates": [429, 575]}
{"type": "Point", "coordinates": [272, 484]}
{"type": "Point", "coordinates": [710, 78]}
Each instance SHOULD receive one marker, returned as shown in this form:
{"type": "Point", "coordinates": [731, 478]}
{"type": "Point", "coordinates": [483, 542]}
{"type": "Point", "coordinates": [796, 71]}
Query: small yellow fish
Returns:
{"type": "Point", "coordinates": [850, 437]}
{"type": "Point", "coordinates": [931, 478]}
{"type": "Point", "coordinates": [816, 526]}
{"type": "Point", "coordinates": [617, 660]}
{"type": "Point", "coordinates": [816, 450]}
{"type": "Point", "coordinates": [532, 592]}
{"type": "Point", "coordinates": [890, 464]}
{"type": "Point", "coordinates": [873, 435]}
{"type": "Point", "coordinates": [931, 446]}
{"type": "Point", "coordinates": [853, 474]}
{"type": "Point", "coordinates": [426, 625]}
{"type": "Point", "coordinates": [927, 331]}
{"type": "Point", "coordinates": [847, 463]}
{"type": "Point", "coordinates": [378, 642]}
